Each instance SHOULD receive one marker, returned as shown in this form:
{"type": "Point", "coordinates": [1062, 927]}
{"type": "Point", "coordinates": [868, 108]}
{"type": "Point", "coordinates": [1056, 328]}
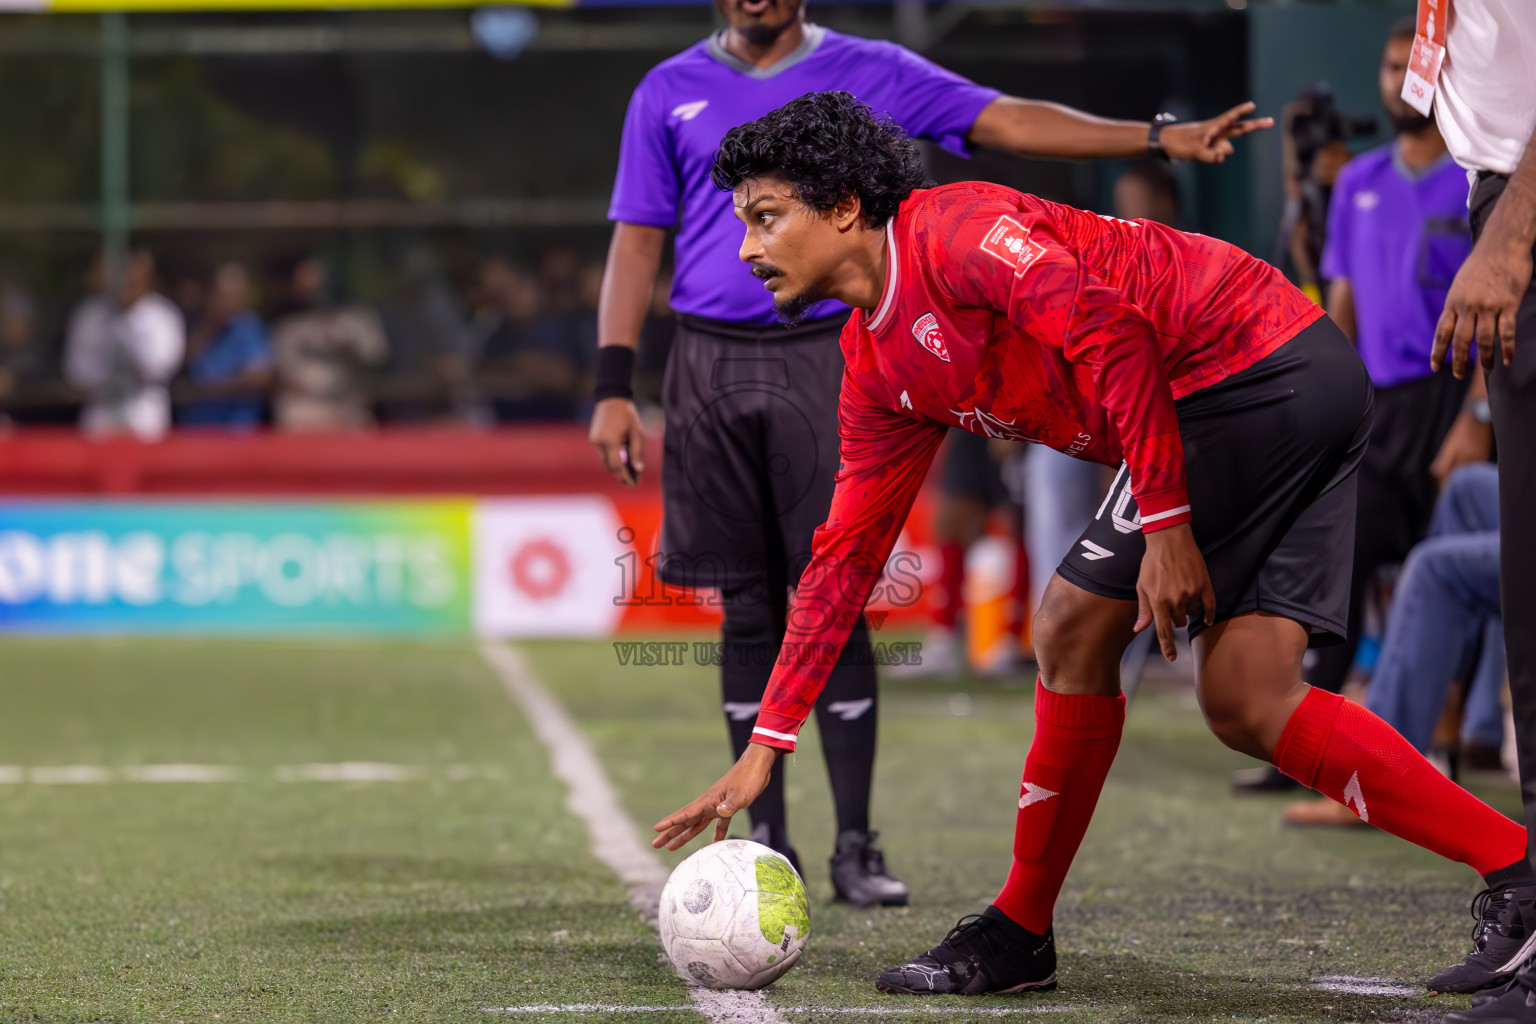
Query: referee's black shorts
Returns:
{"type": "Point", "coordinates": [751, 450]}
{"type": "Point", "coordinates": [1271, 454]}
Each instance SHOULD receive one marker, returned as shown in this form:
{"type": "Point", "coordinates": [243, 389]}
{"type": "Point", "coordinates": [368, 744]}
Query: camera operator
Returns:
{"type": "Point", "coordinates": [1313, 149]}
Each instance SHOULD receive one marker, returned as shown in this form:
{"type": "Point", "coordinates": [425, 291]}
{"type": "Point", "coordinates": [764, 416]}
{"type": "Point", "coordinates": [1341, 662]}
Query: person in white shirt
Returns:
{"type": "Point", "coordinates": [122, 350]}
{"type": "Point", "coordinates": [1485, 104]}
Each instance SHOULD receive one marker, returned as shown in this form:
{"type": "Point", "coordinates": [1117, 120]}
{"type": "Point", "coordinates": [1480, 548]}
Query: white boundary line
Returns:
{"type": "Point", "coordinates": [616, 841]}
{"type": "Point", "coordinates": [345, 771]}
{"type": "Point", "coordinates": [1351, 985]}
{"type": "Point", "coordinates": [847, 1011]}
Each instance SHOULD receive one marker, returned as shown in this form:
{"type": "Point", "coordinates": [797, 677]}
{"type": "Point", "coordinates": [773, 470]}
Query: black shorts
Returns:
{"type": "Point", "coordinates": [751, 450]}
{"type": "Point", "coordinates": [1271, 455]}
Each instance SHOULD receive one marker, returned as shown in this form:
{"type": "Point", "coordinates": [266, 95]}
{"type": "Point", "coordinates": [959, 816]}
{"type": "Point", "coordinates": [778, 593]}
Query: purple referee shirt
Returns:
{"type": "Point", "coordinates": [686, 104]}
{"type": "Point", "coordinates": [1399, 238]}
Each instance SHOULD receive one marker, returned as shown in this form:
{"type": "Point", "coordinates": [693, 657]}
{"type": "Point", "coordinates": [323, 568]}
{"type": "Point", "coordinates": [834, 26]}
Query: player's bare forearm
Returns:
{"type": "Point", "coordinates": [634, 258]}
{"type": "Point", "coordinates": [1035, 128]}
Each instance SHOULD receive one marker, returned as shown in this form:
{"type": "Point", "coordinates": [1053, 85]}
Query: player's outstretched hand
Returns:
{"type": "Point", "coordinates": [1210, 142]}
{"type": "Point", "coordinates": [734, 791]}
{"type": "Point", "coordinates": [1174, 584]}
{"type": "Point", "coordinates": [617, 434]}
{"type": "Point", "coordinates": [1482, 302]}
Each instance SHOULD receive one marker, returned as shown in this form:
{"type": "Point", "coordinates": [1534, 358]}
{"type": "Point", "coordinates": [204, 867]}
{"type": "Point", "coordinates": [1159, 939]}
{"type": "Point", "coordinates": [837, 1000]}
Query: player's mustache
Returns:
{"type": "Point", "coordinates": [763, 271]}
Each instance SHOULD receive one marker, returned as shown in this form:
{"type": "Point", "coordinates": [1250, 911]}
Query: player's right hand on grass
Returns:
{"type": "Point", "coordinates": [616, 432]}
{"type": "Point", "coordinates": [1174, 584]}
{"type": "Point", "coordinates": [734, 791]}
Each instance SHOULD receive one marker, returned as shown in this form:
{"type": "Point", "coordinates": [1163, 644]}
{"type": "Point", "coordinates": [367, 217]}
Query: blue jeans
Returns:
{"type": "Point", "coordinates": [1446, 604]}
{"type": "Point", "coordinates": [1060, 496]}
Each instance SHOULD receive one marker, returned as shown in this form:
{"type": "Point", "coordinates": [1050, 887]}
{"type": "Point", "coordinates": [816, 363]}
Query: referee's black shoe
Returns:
{"type": "Point", "coordinates": [983, 953]}
{"type": "Point", "coordinates": [1511, 1003]}
{"type": "Point", "coordinates": [859, 875]}
{"type": "Point", "coordinates": [1503, 941]}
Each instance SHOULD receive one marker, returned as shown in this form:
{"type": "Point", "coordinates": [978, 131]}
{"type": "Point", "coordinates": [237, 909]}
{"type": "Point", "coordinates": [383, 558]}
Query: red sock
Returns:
{"type": "Point", "coordinates": [951, 585]}
{"type": "Point", "coordinates": [1075, 742]}
{"type": "Point", "coordinates": [1343, 751]}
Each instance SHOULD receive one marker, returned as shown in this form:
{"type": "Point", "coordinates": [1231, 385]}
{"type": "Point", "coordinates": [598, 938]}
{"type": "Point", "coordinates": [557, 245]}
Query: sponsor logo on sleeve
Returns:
{"type": "Point", "coordinates": [926, 330]}
{"type": "Point", "coordinates": [1009, 241]}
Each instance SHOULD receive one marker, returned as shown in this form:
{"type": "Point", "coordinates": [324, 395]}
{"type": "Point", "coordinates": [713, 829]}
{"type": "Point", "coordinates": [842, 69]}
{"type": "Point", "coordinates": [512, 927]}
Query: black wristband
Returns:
{"type": "Point", "coordinates": [615, 372]}
{"type": "Point", "coordinates": [1155, 136]}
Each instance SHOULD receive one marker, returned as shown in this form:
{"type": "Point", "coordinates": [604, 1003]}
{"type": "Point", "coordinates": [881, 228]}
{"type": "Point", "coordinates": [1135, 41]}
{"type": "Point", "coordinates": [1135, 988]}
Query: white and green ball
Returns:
{"type": "Point", "coordinates": [734, 915]}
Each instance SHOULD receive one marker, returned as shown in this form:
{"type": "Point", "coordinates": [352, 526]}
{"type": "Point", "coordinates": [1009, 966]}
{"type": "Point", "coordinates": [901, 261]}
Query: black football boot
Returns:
{"type": "Point", "coordinates": [1503, 941]}
{"type": "Point", "coordinates": [984, 953]}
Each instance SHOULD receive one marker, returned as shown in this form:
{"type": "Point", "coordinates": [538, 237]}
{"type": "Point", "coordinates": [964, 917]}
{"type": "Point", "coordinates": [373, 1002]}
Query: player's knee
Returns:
{"type": "Point", "coordinates": [1073, 642]}
{"type": "Point", "coordinates": [1239, 721]}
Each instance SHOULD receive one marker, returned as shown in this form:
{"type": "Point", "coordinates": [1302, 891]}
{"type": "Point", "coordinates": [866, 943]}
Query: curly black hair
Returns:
{"type": "Point", "coordinates": [828, 146]}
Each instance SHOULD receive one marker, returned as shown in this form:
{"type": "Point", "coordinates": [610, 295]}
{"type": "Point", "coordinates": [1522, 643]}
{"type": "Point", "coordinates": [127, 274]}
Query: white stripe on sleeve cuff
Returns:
{"type": "Point", "coordinates": [787, 737]}
{"type": "Point", "coordinates": [1166, 515]}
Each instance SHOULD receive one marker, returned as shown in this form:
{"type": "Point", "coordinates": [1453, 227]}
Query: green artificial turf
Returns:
{"type": "Point", "coordinates": [262, 900]}
{"type": "Point", "coordinates": [300, 901]}
{"type": "Point", "coordinates": [1185, 903]}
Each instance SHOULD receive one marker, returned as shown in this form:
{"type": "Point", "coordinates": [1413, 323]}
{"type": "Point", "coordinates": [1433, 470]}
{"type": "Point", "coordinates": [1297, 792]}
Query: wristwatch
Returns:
{"type": "Point", "coordinates": [1479, 410]}
{"type": "Point", "coordinates": [1155, 135]}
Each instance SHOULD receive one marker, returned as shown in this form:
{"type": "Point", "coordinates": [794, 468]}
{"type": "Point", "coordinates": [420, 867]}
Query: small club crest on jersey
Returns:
{"type": "Point", "coordinates": [926, 330]}
{"type": "Point", "coordinates": [1009, 241]}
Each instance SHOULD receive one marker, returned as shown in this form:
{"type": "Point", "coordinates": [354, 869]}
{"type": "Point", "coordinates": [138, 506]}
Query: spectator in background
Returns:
{"type": "Point", "coordinates": [229, 357]}
{"type": "Point", "coordinates": [22, 361]}
{"type": "Point", "coordinates": [1147, 190]}
{"type": "Point", "coordinates": [322, 354]}
{"type": "Point", "coordinates": [121, 350]}
{"type": "Point", "coordinates": [529, 365]}
{"type": "Point", "coordinates": [429, 344]}
{"type": "Point", "coordinates": [1397, 232]}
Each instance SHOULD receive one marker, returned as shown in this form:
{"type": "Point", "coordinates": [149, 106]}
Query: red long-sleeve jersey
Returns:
{"type": "Point", "coordinates": [1013, 317]}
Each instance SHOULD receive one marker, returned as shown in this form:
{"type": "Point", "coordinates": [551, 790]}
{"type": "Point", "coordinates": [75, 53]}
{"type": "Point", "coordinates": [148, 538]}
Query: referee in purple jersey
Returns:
{"type": "Point", "coordinates": [751, 406]}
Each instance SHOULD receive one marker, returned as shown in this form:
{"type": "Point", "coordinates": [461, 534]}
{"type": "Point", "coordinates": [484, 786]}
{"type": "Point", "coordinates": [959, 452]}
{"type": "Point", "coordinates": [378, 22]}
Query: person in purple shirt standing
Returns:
{"type": "Point", "coordinates": [751, 407]}
{"type": "Point", "coordinates": [1397, 233]}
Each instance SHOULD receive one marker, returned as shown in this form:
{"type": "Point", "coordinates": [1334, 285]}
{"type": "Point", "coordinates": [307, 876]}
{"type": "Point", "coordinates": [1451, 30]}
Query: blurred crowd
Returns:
{"type": "Point", "coordinates": [234, 348]}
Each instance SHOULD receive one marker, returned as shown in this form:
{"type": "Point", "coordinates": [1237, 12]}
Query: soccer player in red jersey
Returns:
{"type": "Point", "coordinates": [1238, 409]}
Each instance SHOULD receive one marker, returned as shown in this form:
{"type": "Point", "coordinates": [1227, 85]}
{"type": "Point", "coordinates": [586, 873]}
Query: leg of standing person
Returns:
{"type": "Point", "coordinates": [1060, 496]}
{"type": "Point", "coordinates": [1512, 398]}
{"type": "Point", "coordinates": [1482, 725]}
{"type": "Point", "coordinates": [801, 438]}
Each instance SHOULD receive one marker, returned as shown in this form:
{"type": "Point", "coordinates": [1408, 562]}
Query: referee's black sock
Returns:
{"type": "Point", "coordinates": [751, 634]}
{"type": "Point", "coordinates": [846, 716]}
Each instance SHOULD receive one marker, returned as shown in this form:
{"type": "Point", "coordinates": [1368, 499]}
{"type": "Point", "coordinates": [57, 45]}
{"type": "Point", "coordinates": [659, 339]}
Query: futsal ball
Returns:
{"type": "Point", "coordinates": [734, 915]}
